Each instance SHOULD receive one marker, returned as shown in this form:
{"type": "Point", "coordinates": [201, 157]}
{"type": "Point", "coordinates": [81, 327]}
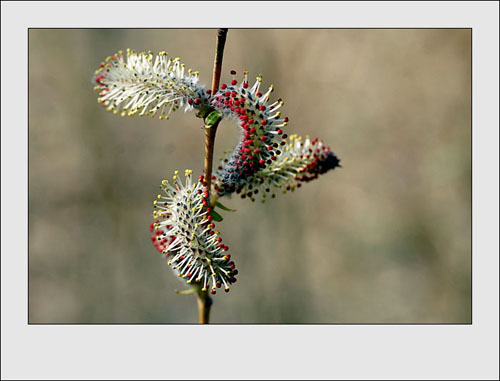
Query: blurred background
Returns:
{"type": "Point", "coordinates": [385, 239]}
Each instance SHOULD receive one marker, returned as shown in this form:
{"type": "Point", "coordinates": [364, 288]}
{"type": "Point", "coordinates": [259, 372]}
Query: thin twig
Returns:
{"type": "Point", "coordinates": [210, 132]}
{"type": "Point", "coordinates": [204, 300]}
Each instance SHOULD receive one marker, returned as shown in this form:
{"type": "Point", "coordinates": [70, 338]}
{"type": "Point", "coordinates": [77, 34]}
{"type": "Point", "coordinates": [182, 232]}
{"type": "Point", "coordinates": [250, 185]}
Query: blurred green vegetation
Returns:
{"type": "Point", "coordinates": [385, 239]}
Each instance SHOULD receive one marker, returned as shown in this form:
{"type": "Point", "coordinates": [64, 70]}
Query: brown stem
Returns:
{"type": "Point", "coordinates": [210, 132]}
{"type": "Point", "coordinates": [204, 300]}
{"type": "Point", "coordinates": [219, 52]}
{"type": "Point", "coordinates": [204, 304]}
{"type": "Point", "coordinates": [209, 153]}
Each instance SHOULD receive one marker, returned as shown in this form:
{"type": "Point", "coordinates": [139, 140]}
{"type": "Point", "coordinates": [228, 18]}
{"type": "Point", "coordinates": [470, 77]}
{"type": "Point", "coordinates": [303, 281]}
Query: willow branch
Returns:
{"type": "Point", "coordinates": [204, 300]}
{"type": "Point", "coordinates": [210, 132]}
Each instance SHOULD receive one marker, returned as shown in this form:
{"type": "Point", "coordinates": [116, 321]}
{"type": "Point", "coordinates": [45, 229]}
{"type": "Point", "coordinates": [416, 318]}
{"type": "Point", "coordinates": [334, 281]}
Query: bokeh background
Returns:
{"type": "Point", "coordinates": [385, 239]}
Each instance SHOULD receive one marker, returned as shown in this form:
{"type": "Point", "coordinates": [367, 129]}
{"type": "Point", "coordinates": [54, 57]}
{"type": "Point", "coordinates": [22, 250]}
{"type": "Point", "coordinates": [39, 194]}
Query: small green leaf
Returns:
{"type": "Point", "coordinates": [216, 216]}
{"type": "Point", "coordinates": [189, 291]}
{"type": "Point", "coordinates": [223, 207]}
{"type": "Point", "coordinates": [213, 118]}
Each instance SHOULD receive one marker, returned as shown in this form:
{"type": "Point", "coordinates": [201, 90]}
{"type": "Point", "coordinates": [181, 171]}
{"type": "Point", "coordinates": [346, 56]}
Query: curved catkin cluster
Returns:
{"type": "Point", "coordinates": [262, 131]}
{"type": "Point", "coordinates": [185, 234]}
{"type": "Point", "coordinates": [300, 160]}
{"type": "Point", "coordinates": [147, 85]}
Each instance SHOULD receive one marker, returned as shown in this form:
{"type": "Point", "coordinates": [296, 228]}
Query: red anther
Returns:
{"type": "Point", "coordinates": [189, 274]}
{"type": "Point", "coordinates": [226, 248]}
{"type": "Point", "coordinates": [285, 136]}
{"type": "Point", "coordinates": [223, 86]}
{"type": "Point", "coordinates": [190, 101]}
{"type": "Point", "coordinates": [232, 266]}
{"type": "Point", "coordinates": [219, 239]}
{"type": "Point", "coordinates": [269, 148]}
{"type": "Point", "coordinates": [259, 94]}
{"type": "Point", "coordinates": [151, 227]}
{"type": "Point", "coordinates": [212, 292]}
{"type": "Point", "coordinates": [101, 65]}
{"type": "Point", "coordinates": [159, 232]}
{"type": "Point", "coordinates": [245, 85]}
{"type": "Point", "coordinates": [234, 94]}
{"type": "Point", "coordinates": [99, 78]}
{"type": "Point", "coordinates": [209, 91]}
{"type": "Point", "coordinates": [242, 99]}
{"type": "Point", "coordinates": [256, 151]}
{"type": "Point", "coordinates": [285, 119]}
{"type": "Point", "coordinates": [262, 107]}
{"type": "Point", "coordinates": [209, 218]}
{"type": "Point", "coordinates": [251, 121]}
{"type": "Point", "coordinates": [279, 131]}
{"type": "Point", "coordinates": [213, 177]}
{"type": "Point", "coordinates": [273, 157]}
{"type": "Point", "coordinates": [236, 103]}
{"type": "Point", "coordinates": [233, 72]}
{"type": "Point", "coordinates": [227, 93]}
{"type": "Point", "coordinates": [263, 138]}
{"type": "Point", "coordinates": [264, 122]}
{"type": "Point", "coordinates": [244, 117]}
{"type": "Point", "coordinates": [253, 130]}
{"type": "Point", "coordinates": [234, 82]}
{"type": "Point", "coordinates": [197, 101]}
{"type": "Point", "coordinates": [245, 163]}
{"type": "Point", "coordinates": [228, 256]}
{"type": "Point", "coordinates": [209, 210]}
{"type": "Point", "coordinates": [242, 111]}
{"type": "Point", "coordinates": [261, 161]}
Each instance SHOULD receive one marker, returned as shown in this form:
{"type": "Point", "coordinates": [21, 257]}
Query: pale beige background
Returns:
{"type": "Point", "coordinates": [384, 239]}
